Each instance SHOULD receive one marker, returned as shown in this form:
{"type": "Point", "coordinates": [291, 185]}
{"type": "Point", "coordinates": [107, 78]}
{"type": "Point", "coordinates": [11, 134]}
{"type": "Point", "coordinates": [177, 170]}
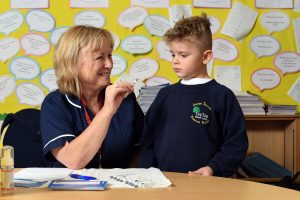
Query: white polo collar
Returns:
{"type": "Point", "coordinates": [195, 81]}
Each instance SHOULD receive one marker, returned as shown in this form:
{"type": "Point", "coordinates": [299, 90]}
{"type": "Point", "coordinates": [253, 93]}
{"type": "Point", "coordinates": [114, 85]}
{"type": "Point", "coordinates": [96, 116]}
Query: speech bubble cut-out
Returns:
{"type": "Point", "coordinates": [91, 18]}
{"type": "Point", "coordinates": [35, 44]}
{"type": "Point", "coordinates": [132, 17]}
{"type": "Point", "coordinates": [136, 44]}
{"type": "Point", "coordinates": [56, 34]}
{"type": "Point", "coordinates": [9, 47]}
{"type": "Point", "coordinates": [10, 21]}
{"type": "Point", "coordinates": [24, 68]}
{"type": "Point", "coordinates": [116, 39]}
{"type": "Point", "coordinates": [7, 86]}
{"type": "Point", "coordinates": [264, 45]}
{"type": "Point", "coordinates": [39, 20]}
{"type": "Point", "coordinates": [89, 3]}
{"type": "Point", "coordinates": [265, 79]}
{"type": "Point", "coordinates": [287, 62]}
{"type": "Point", "coordinates": [215, 24]}
{"type": "Point", "coordinates": [157, 80]}
{"type": "Point", "coordinates": [224, 50]}
{"type": "Point", "coordinates": [144, 68]}
{"type": "Point", "coordinates": [28, 1]}
{"type": "Point", "coordinates": [164, 51]}
{"type": "Point", "coordinates": [48, 79]}
{"type": "Point", "coordinates": [275, 21]}
{"type": "Point", "coordinates": [30, 94]}
{"type": "Point", "coordinates": [119, 65]}
{"type": "Point", "coordinates": [136, 82]}
{"type": "Point", "coordinates": [157, 25]}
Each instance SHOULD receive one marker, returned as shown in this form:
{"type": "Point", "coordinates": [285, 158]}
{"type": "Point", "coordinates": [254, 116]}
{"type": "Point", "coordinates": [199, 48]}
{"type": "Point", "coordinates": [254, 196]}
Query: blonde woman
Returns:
{"type": "Point", "coordinates": [89, 122]}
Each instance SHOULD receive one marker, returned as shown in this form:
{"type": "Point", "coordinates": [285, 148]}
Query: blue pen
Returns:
{"type": "Point", "coordinates": [87, 178]}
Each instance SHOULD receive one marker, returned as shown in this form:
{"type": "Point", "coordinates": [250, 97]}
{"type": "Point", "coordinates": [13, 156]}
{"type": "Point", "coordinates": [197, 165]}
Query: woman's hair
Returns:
{"type": "Point", "coordinates": [195, 29]}
{"type": "Point", "coordinates": [66, 55]}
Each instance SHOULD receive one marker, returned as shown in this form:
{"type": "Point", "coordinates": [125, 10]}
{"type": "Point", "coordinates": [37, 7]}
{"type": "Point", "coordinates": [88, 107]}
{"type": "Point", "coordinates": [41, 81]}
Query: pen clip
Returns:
{"type": "Point", "coordinates": [78, 176]}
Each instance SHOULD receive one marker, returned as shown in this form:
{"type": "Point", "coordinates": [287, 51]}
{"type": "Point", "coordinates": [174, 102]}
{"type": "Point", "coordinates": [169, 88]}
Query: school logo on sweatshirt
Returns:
{"type": "Point", "coordinates": [200, 113]}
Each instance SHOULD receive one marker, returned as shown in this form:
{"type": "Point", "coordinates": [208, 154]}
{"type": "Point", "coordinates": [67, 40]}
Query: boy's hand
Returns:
{"type": "Point", "coordinates": [204, 171]}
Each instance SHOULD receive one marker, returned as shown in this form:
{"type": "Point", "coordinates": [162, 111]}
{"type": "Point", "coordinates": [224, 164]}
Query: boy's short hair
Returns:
{"type": "Point", "coordinates": [66, 54]}
{"type": "Point", "coordinates": [195, 29]}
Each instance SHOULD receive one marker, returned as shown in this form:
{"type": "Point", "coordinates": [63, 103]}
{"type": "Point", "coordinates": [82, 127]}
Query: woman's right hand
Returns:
{"type": "Point", "coordinates": [114, 95]}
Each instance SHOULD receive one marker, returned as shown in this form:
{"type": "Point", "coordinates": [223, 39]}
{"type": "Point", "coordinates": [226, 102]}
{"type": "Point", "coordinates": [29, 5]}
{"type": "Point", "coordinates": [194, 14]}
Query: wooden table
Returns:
{"type": "Point", "coordinates": [184, 187]}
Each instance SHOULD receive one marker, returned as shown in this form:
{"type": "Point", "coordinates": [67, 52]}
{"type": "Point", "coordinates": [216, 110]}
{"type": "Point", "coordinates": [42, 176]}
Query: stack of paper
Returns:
{"type": "Point", "coordinates": [147, 96]}
{"type": "Point", "coordinates": [42, 174]}
{"type": "Point", "coordinates": [38, 177]}
{"type": "Point", "coordinates": [281, 109]}
{"type": "Point", "coordinates": [250, 104]}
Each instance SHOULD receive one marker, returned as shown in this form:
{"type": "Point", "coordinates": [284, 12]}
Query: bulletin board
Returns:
{"type": "Point", "coordinates": [261, 56]}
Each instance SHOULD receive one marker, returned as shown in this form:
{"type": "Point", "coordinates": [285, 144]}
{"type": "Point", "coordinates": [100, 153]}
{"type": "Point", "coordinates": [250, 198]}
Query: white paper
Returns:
{"type": "Point", "coordinates": [39, 20]}
{"type": "Point", "coordinates": [178, 12]}
{"type": "Point", "coordinates": [212, 3]}
{"type": "Point", "coordinates": [264, 45]}
{"type": "Point", "coordinates": [296, 23]}
{"type": "Point", "coordinates": [89, 4]}
{"type": "Point", "coordinates": [132, 17]}
{"type": "Point", "coordinates": [136, 44]}
{"type": "Point", "coordinates": [119, 65]}
{"type": "Point", "coordinates": [230, 76]}
{"type": "Point", "coordinates": [42, 174]}
{"type": "Point", "coordinates": [215, 24]}
{"type": "Point", "coordinates": [157, 80]}
{"type": "Point", "coordinates": [48, 79]}
{"type": "Point", "coordinates": [136, 82]}
{"type": "Point", "coordinates": [30, 94]}
{"type": "Point", "coordinates": [24, 68]}
{"type": "Point", "coordinates": [224, 50]}
{"type": "Point", "coordinates": [29, 3]}
{"type": "Point", "coordinates": [297, 6]}
{"type": "Point", "coordinates": [164, 51]}
{"type": "Point", "coordinates": [151, 3]}
{"type": "Point", "coordinates": [35, 44]}
{"type": "Point", "coordinates": [7, 84]}
{"type": "Point", "coordinates": [265, 79]}
{"type": "Point", "coordinates": [144, 68]}
{"type": "Point", "coordinates": [240, 21]}
{"type": "Point", "coordinates": [157, 25]}
{"type": "Point", "coordinates": [287, 62]}
{"type": "Point", "coordinates": [151, 177]}
{"type": "Point", "coordinates": [274, 3]}
{"type": "Point", "coordinates": [9, 46]}
{"type": "Point", "coordinates": [275, 21]}
{"type": "Point", "coordinates": [294, 91]}
{"type": "Point", "coordinates": [209, 67]}
{"type": "Point", "coordinates": [10, 21]}
{"type": "Point", "coordinates": [91, 18]}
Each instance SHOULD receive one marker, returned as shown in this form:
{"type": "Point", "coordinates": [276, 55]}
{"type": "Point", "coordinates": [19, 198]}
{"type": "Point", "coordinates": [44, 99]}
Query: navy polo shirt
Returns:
{"type": "Point", "coordinates": [63, 119]}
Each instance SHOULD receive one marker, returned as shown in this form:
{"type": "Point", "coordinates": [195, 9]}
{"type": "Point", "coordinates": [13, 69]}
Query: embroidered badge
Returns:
{"type": "Point", "coordinates": [200, 113]}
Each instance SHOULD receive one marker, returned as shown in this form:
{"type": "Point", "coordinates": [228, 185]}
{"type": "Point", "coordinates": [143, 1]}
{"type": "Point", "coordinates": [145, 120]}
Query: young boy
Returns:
{"type": "Point", "coordinates": [195, 125]}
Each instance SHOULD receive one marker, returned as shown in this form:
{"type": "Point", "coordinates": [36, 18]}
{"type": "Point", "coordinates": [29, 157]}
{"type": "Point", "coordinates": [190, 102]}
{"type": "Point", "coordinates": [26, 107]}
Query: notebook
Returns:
{"type": "Point", "coordinates": [78, 185]}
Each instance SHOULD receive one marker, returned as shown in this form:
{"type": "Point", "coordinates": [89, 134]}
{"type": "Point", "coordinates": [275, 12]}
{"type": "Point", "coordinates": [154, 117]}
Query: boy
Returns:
{"type": "Point", "coordinates": [195, 125]}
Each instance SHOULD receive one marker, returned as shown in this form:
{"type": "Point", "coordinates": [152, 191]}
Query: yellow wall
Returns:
{"type": "Point", "coordinates": [247, 59]}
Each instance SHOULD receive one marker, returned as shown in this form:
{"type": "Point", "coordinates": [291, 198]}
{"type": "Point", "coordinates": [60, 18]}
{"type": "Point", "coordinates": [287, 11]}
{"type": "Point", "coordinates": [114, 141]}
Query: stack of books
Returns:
{"type": "Point", "coordinates": [147, 96]}
{"type": "Point", "coordinates": [281, 109]}
{"type": "Point", "coordinates": [251, 104]}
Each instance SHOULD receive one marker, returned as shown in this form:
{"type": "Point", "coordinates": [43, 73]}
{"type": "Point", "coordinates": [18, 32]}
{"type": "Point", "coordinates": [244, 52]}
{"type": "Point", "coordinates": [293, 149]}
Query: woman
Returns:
{"type": "Point", "coordinates": [88, 123]}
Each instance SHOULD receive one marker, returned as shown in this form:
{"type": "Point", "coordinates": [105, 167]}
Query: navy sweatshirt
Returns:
{"type": "Point", "coordinates": [191, 126]}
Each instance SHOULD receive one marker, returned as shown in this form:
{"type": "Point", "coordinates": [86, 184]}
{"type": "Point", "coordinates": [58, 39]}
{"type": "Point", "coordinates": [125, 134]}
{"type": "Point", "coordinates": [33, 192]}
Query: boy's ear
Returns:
{"type": "Point", "coordinates": [207, 56]}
